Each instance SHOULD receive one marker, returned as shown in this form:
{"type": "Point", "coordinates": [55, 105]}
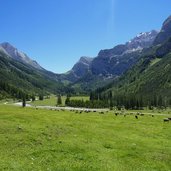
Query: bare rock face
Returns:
{"type": "Point", "coordinates": [165, 32]}
{"type": "Point", "coordinates": [82, 66]}
{"type": "Point", "coordinates": [112, 62]}
{"type": "Point", "coordinates": [142, 40]}
{"type": "Point", "coordinates": [164, 49]}
{"type": "Point", "coordinates": [117, 60]}
{"type": "Point", "coordinates": [14, 53]}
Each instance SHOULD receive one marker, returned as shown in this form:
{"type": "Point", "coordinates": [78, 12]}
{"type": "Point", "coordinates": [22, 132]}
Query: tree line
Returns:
{"type": "Point", "coordinates": [11, 91]}
{"type": "Point", "coordinates": [130, 101]}
{"type": "Point", "coordinates": [85, 104]}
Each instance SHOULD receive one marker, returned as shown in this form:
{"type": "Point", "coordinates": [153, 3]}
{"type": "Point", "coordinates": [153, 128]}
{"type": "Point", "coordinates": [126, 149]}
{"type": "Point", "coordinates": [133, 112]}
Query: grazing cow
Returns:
{"type": "Point", "coordinates": [136, 117]}
{"type": "Point", "coordinates": [166, 120]}
{"type": "Point", "coordinates": [169, 119]}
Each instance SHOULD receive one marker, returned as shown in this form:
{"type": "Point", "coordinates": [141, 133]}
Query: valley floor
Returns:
{"type": "Point", "coordinates": [39, 139]}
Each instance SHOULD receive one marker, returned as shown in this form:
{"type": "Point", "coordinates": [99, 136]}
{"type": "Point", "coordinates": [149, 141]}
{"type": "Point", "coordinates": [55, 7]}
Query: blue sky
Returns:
{"type": "Point", "coordinates": [56, 33]}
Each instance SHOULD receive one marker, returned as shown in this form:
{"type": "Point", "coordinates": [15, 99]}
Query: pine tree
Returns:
{"type": "Point", "coordinates": [33, 98]}
{"type": "Point", "coordinates": [59, 100]}
{"type": "Point", "coordinates": [67, 101]}
{"type": "Point", "coordinates": [91, 96]}
{"type": "Point", "coordinates": [41, 97]}
{"type": "Point", "coordinates": [111, 104]}
{"type": "Point", "coordinates": [24, 101]}
{"type": "Point", "coordinates": [160, 101]}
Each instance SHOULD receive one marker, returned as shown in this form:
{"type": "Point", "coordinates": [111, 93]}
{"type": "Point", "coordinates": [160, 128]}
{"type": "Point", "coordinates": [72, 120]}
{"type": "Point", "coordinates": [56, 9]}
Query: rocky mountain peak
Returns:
{"type": "Point", "coordinates": [7, 45]}
{"type": "Point", "coordinates": [167, 24]}
{"type": "Point", "coordinates": [119, 59]}
{"type": "Point", "coordinates": [142, 40]}
{"type": "Point", "coordinates": [165, 32]}
{"type": "Point", "coordinates": [85, 59]}
{"type": "Point", "coordinates": [14, 53]}
{"type": "Point", "coordinates": [82, 66]}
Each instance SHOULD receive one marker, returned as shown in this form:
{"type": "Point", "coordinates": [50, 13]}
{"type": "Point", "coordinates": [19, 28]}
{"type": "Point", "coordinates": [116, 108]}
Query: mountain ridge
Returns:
{"type": "Point", "coordinates": [110, 63]}
{"type": "Point", "coordinates": [149, 81]}
{"type": "Point", "coordinates": [14, 53]}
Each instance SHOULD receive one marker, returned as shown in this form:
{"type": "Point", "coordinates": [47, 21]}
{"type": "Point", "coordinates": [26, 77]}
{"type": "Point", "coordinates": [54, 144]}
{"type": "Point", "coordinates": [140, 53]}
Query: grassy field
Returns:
{"type": "Point", "coordinates": [8, 101]}
{"type": "Point", "coordinates": [53, 100]}
{"type": "Point", "coordinates": [45, 140]}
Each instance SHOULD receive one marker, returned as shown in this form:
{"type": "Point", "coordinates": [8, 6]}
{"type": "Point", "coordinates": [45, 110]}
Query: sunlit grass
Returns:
{"type": "Point", "coordinates": [52, 101]}
{"type": "Point", "coordinates": [33, 139]}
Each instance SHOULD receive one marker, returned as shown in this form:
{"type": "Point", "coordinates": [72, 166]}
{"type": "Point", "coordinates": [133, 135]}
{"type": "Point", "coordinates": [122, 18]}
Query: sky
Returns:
{"type": "Point", "coordinates": [56, 33]}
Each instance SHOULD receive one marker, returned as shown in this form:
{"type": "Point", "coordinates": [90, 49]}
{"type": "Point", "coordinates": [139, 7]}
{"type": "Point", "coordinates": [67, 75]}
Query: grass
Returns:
{"type": "Point", "coordinates": [8, 101]}
{"type": "Point", "coordinates": [53, 100]}
{"type": "Point", "coordinates": [36, 140]}
{"type": "Point", "coordinates": [156, 60]}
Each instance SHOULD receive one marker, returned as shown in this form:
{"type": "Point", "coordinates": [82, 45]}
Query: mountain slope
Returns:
{"type": "Point", "coordinates": [165, 32]}
{"type": "Point", "coordinates": [90, 73]}
{"type": "Point", "coordinates": [25, 77]}
{"type": "Point", "coordinates": [14, 53]}
{"type": "Point", "coordinates": [79, 70]}
{"type": "Point", "coordinates": [150, 79]}
{"type": "Point", "coordinates": [82, 66]}
{"type": "Point", "coordinates": [119, 59]}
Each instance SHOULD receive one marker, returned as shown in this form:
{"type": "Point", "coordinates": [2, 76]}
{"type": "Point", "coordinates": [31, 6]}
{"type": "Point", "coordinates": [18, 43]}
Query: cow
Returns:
{"type": "Point", "coordinates": [166, 120]}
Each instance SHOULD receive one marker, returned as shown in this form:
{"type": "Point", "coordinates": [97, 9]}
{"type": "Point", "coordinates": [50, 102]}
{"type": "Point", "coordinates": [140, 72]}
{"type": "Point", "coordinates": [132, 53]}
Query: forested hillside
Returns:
{"type": "Point", "coordinates": [148, 83]}
{"type": "Point", "coordinates": [18, 78]}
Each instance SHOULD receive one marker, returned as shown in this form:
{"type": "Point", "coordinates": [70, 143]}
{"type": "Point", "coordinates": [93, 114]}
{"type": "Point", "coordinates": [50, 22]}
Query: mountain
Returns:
{"type": "Point", "coordinates": [14, 53]}
{"type": "Point", "coordinates": [79, 70]}
{"type": "Point", "coordinates": [19, 74]}
{"type": "Point", "coordinates": [119, 59]}
{"type": "Point", "coordinates": [82, 66]}
{"type": "Point", "coordinates": [149, 80]}
{"type": "Point", "coordinates": [90, 73]}
{"type": "Point", "coordinates": [165, 32]}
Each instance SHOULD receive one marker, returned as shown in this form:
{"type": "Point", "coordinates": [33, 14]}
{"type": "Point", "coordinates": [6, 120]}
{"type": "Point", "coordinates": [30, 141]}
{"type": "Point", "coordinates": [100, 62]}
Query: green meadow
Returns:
{"type": "Point", "coordinates": [52, 101]}
{"type": "Point", "coordinates": [46, 140]}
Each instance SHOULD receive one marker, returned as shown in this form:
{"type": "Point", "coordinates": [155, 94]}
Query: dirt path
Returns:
{"type": "Point", "coordinates": [71, 108]}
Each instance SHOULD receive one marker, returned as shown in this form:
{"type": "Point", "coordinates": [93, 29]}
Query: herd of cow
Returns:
{"type": "Point", "coordinates": [136, 115]}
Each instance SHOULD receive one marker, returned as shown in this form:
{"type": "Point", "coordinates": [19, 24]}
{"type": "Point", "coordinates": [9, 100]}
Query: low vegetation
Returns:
{"type": "Point", "coordinates": [52, 100]}
{"type": "Point", "coordinates": [34, 139]}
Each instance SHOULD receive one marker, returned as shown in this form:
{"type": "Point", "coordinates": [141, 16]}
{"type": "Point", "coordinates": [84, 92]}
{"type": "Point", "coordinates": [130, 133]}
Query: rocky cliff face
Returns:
{"type": "Point", "coordinates": [150, 77]}
{"type": "Point", "coordinates": [89, 73]}
{"type": "Point", "coordinates": [117, 60]}
{"type": "Point", "coordinates": [165, 32]}
{"type": "Point", "coordinates": [14, 53]}
{"type": "Point", "coordinates": [82, 66]}
{"type": "Point", "coordinates": [113, 62]}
